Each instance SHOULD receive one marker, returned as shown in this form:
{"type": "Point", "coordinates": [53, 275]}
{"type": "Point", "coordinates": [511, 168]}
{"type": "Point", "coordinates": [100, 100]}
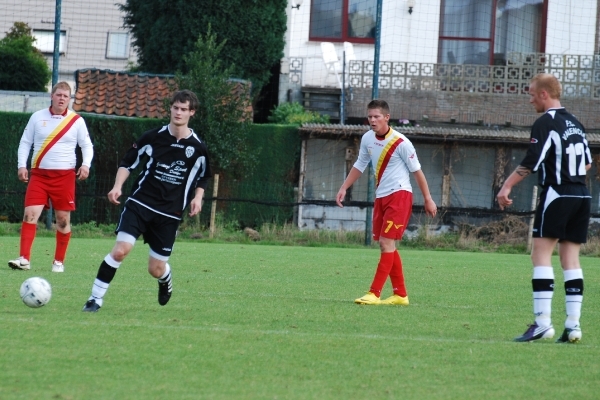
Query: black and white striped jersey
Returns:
{"type": "Point", "coordinates": [171, 170]}
{"type": "Point", "coordinates": [558, 149]}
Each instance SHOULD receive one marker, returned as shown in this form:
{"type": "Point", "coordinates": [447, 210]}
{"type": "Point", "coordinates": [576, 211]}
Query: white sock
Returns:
{"type": "Point", "coordinates": [573, 296]}
{"type": "Point", "coordinates": [98, 291]}
{"type": "Point", "coordinates": [167, 272]}
{"type": "Point", "coordinates": [542, 297]}
{"type": "Point", "coordinates": [166, 277]}
{"type": "Point", "coordinates": [107, 271]}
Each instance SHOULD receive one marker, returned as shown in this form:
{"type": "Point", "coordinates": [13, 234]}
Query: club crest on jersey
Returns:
{"type": "Point", "coordinates": [534, 140]}
{"type": "Point", "coordinates": [189, 151]}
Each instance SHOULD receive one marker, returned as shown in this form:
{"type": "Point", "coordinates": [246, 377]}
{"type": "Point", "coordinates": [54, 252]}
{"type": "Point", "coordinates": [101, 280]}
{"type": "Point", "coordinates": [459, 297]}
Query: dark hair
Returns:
{"type": "Point", "coordinates": [184, 96]}
{"type": "Point", "coordinates": [381, 104]}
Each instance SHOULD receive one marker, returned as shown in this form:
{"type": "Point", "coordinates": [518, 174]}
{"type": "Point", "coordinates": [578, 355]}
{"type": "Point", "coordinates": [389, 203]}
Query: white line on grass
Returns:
{"type": "Point", "coordinates": [286, 332]}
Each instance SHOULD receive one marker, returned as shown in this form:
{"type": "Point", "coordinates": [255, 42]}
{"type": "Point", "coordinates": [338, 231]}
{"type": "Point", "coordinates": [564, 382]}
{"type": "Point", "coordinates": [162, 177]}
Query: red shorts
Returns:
{"type": "Point", "coordinates": [391, 215]}
{"type": "Point", "coordinates": [56, 185]}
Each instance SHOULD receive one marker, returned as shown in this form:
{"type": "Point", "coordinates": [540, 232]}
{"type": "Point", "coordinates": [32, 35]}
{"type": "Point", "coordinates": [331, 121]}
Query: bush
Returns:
{"type": "Point", "coordinates": [164, 33]}
{"type": "Point", "coordinates": [295, 114]}
{"type": "Point", "coordinates": [221, 118]}
{"type": "Point", "coordinates": [22, 66]}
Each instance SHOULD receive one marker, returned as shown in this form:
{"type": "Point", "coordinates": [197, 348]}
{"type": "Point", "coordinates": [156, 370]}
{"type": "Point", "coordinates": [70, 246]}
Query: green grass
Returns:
{"type": "Point", "coordinates": [500, 241]}
{"type": "Point", "coordinates": [279, 322]}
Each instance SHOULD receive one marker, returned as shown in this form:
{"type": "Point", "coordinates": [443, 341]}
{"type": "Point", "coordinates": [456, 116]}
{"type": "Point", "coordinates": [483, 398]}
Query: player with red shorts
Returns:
{"type": "Point", "coordinates": [394, 159]}
{"type": "Point", "coordinates": [54, 133]}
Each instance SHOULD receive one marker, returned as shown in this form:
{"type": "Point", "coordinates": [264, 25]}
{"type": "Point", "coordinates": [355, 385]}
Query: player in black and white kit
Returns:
{"type": "Point", "coordinates": [559, 153]}
{"type": "Point", "coordinates": [174, 176]}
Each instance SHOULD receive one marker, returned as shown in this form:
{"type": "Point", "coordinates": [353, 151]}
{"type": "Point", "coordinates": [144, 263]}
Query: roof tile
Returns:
{"type": "Point", "coordinates": [120, 93]}
{"type": "Point", "coordinates": [127, 94]}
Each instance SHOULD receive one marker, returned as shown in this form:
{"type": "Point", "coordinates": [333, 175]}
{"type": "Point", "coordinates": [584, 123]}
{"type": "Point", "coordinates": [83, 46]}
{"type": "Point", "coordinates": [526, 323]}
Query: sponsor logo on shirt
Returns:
{"type": "Point", "coordinates": [534, 140]}
{"type": "Point", "coordinates": [173, 173]}
{"type": "Point", "coordinates": [189, 151]}
{"type": "Point", "coordinates": [177, 145]}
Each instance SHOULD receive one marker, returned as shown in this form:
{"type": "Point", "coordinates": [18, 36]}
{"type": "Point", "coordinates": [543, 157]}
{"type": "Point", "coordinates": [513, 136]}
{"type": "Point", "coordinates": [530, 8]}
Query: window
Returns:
{"type": "Point", "coordinates": [117, 45]}
{"type": "Point", "coordinates": [343, 20]}
{"type": "Point", "coordinates": [44, 41]}
{"type": "Point", "coordinates": [487, 31]}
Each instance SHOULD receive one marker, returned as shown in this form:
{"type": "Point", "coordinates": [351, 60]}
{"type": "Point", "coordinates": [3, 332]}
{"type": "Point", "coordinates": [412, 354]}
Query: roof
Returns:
{"type": "Point", "coordinates": [121, 93]}
{"type": "Point", "coordinates": [435, 133]}
{"type": "Point", "coordinates": [135, 95]}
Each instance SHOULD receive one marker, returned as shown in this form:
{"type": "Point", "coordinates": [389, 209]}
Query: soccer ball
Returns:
{"type": "Point", "coordinates": [35, 292]}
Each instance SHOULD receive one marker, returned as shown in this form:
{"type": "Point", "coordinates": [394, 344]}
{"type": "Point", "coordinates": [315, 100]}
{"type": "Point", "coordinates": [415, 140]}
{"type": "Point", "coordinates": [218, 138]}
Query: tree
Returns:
{"type": "Point", "coordinates": [221, 118]}
{"type": "Point", "coordinates": [166, 30]}
{"type": "Point", "coordinates": [22, 66]}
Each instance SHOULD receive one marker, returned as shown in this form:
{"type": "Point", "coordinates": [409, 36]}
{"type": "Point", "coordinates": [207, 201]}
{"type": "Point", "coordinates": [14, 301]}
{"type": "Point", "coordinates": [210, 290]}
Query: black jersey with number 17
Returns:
{"type": "Point", "coordinates": [171, 170]}
{"type": "Point", "coordinates": [558, 149]}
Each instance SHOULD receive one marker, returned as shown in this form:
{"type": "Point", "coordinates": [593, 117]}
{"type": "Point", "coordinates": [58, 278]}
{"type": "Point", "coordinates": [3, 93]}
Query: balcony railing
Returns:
{"type": "Point", "coordinates": [578, 74]}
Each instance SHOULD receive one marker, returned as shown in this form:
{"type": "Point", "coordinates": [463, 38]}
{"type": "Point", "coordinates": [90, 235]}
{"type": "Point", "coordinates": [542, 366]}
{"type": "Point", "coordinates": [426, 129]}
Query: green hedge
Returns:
{"type": "Point", "coordinates": [272, 181]}
{"type": "Point", "coordinates": [12, 190]}
{"type": "Point", "coordinates": [270, 189]}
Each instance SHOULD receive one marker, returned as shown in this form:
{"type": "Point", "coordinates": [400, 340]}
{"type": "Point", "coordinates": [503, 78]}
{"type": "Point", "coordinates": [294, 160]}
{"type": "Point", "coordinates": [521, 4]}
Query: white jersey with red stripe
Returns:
{"type": "Point", "coordinates": [54, 138]}
{"type": "Point", "coordinates": [393, 157]}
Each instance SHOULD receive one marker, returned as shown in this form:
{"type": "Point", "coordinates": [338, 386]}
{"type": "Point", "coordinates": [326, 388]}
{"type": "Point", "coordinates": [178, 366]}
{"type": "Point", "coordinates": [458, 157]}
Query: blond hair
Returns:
{"type": "Point", "coordinates": [63, 86]}
{"type": "Point", "coordinates": [549, 83]}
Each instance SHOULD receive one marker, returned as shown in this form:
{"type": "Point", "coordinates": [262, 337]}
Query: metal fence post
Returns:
{"type": "Point", "coordinates": [369, 217]}
{"type": "Point", "coordinates": [530, 231]}
{"type": "Point", "coordinates": [213, 209]}
{"type": "Point", "coordinates": [55, 59]}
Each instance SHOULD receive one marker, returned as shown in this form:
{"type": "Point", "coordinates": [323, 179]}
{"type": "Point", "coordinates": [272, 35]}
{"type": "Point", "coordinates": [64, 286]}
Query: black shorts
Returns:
{"type": "Point", "coordinates": [563, 213]}
{"type": "Point", "coordinates": [158, 230]}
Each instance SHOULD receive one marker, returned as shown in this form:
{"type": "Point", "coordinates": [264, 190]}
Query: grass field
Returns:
{"type": "Point", "coordinates": [275, 322]}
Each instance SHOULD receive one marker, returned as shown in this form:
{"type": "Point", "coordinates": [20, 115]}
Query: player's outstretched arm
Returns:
{"type": "Point", "coordinates": [196, 203]}
{"type": "Point", "coordinates": [429, 204]}
{"type": "Point", "coordinates": [115, 193]}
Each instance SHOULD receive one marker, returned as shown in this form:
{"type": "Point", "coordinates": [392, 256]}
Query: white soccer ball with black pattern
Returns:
{"type": "Point", "coordinates": [36, 292]}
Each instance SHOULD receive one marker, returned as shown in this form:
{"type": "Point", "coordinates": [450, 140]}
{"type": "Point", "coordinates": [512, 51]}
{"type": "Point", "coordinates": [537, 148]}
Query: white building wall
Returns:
{"type": "Point", "coordinates": [571, 29]}
{"type": "Point", "coordinates": [24, 101]}
{"type": "Point", "coordinates": [87, 24]}
{"type": "Point", "coordinates": [410, 37]}
{"type": "Point", "coordinates": [405, 37]}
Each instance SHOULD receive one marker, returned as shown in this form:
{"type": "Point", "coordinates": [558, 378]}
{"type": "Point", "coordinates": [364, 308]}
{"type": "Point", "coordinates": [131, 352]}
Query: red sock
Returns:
{"type": "Point", "coordinates": [383, 271]}
{"type": "Point", "coordinates": [62, 242]}
{"type": "Point", "coordinates": [397, 276]}
{"type": "Point", "coordinates": [27, 237]}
